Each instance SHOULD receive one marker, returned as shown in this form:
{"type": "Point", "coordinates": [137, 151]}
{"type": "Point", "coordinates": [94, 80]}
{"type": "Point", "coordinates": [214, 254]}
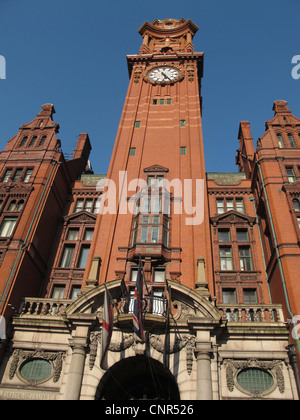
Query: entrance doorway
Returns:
{"type": "Point", "coordinates": [138, 378]}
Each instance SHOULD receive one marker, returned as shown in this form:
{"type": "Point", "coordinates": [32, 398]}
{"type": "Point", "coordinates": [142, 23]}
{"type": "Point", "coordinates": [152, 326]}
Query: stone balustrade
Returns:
{"type": "Point", "coordinates": [44, 307]}
{"type": "Point", "coordinates": [251, 313]}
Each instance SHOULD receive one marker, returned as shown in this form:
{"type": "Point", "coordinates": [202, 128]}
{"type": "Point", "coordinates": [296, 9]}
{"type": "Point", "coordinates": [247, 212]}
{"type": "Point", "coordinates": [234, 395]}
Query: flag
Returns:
{"type": "Point", "coordinates": [107, 328]}
{"type": "Point", "coordinates": [138, 326]}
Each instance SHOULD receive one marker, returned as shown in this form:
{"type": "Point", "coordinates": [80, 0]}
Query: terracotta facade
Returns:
{"type": "Point", "coordinates": [221, 276]}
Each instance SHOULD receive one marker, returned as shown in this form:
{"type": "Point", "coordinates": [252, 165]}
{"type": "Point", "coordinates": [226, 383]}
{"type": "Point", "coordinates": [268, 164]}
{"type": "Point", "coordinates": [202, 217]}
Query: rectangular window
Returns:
{"type": "Point", "coordinates": [137, 124]}
{"type": "Point", "coordinates": [147, 205]}
{"type": "Point", "coordinates": [156, 205]}
{"type": "Point", "coordinates": [132, 151]}
{"type": "Point", "coordinates": [144, 234]}
{"type": "Point", "coordinates": [220, 206]}
{"type": "Point", "coordinates": [245, 258]}
{"type": "Point", "coordinates": [229, 204]}
{"type": "Point", "coordinates": [155, 234]}
{"type": "Point", "coordinates": [291, 175]}
{"type": "Point", "coordinates": [154, 101]}
{"type": "Point", "coordinates": [79, 205]}
{"type": "Point", "coordinates": [226, 258]}
{"type": "Point", "coordinates": [183, 151]}
{"type": "Point", "coordinates": [169, 101]}
{"type": "Point", "coordinates": [250, 296]}
{"type": "Point", "coordinates": [151, 181]}
{"type": "Point", "coordinates": [224, 235]}
{"type": "Point", "coordinates": [7, 175]}
{"type": "Point", "coordinates": [7, 227]}
{"type": "Point", "coordinates": [161, 102]}
{"type": "Point", "coordinates": [134, 238]}
{"type": "Point", "coordinates": [58, 292]}
{"type": "Point", "coordinates": [229, 296]}
{"type": "Point", "coordinates": [17, 175]}
{"type": "Point", "coordinates": [72, 234]}
{"type": "Point", "coordinates": [88, 204]}
{"type": "Point", "coordinates": [84, 253]}
{"type": "Point", "coordinates": [134, 273]}
{"type": "Point", "coordinates": [242, 235]}
{"type": "Point", "coordinates": [160, 182]}
{"type": "Point", "coordinates": [240, 205]}
{"type": "Point", "coordinates": [159, 275]}
{"type": "Point", "coordinates": [97, 206]}
{"type": "Point", "coordinates": [166, 238]}
{"type": "Point", "coordinates": [75, 291]}
{"type": "Point", "coordinates": [88, 234]}
{"type": "Point", "coordinates": [27, 176]}
{"type": "Point", "coordinates": [67, 256]}
{"type": "Point", "coordinates": [155, 220]}
{"type": "Point", "coordinates": [182, 123]}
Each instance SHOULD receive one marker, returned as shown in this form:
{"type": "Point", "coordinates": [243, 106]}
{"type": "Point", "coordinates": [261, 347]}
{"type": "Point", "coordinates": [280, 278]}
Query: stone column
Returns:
{"type": "Point", "coordinates": [76, 371]}
{"type": "Point", "coordinates": [204, 378]}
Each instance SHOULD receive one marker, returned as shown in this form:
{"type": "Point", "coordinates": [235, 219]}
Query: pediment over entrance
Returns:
{"type": "Point", "coordinates": [186, 305]}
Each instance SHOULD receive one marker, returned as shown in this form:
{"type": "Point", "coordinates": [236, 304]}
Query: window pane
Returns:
{"type": "Point", "coordinates": [67, 256]}
{"type": "Point", "coordinates": [291, 175]}
{"type": "Point", "coordinates": [240, 205]}
{"type": "Point", "coordinates": [291, 140]}
{"type": "Point", "coordinates": [17, 175]}
{"type": "Point", "coordinates": [144, 234]}
{"type": "Point", "coordinates": [151, 181]}
{"type": "Point", "coordinates": [83, 256]}
{"type": "Point", "coordinates": [280, 141]}
{"type": "Point", "coordinates": [220, 206]}
{"type": "Point", "coordinates": [296, 205]}
{"type": "Point", "coordinates": [183, 151]}
{"type": "Point", "coordinates": [226, 258]}
{"type": "Point", "coordinates": [157, 205]}
{"type": "Point", "coordinates": [79, 205]}
{"type": "Point", "coordinates": [72, 234]}
{"type": "Point", "coordinates": [58, 292]}
{"type": "Point", "coordinates": [155, 234]}
{"type": "Point", "coordinates": [27, 176]}
{"type": "Point", "coordinates": [88, 235]}
{"type": "Point", "coordinates": [88, 204]}
{"type": "Point", "coordinates": [159, 181]}
{"type": "Point", "coordinates": [159, 275]}
{"type": "Point", "coordinates": [7, 175]}
{"type": "Point", "coordinates": [155, 220]}
{"type": "Point", "coordinates": [224, 235]}
{"type": "Point", "coordinates": [166, 238]}
{"type": "Point", "coordinates": [250, 296]}
{"type": "Point", "coordinates": [245, 259]}
{"type": "Point", "coordinates": [255, 380]}
{"type": "Point", "coordinates": [229, 203]}
{"type": "Point", "coordinates": [158, 302]}
{"type": "Point", "coordinates": [229, 296]}
{"type": "Point", "coordinates": [134, 272]}
{"type": "Point", "coordinates": [242, 235]}
{"type": "Point", "coordinates": [7, 227]}
{"type": "Point", "coordinates": [75, 291]}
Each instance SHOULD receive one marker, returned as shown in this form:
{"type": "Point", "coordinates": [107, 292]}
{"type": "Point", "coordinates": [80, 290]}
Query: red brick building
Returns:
{"type": "Point", "coordinates": [220, 251]}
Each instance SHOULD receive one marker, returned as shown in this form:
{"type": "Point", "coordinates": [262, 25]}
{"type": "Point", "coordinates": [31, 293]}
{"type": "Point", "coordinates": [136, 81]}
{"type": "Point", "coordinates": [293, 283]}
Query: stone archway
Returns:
{"type": "Point", "coordinates": [138, 378]}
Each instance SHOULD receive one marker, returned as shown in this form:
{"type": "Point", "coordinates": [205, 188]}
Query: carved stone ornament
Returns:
{"type": "Point", "coordinates": [138, 70]}
{"type": "Point", "coordinates": [155, 342]}
{"type": "Point", "coordinates": [234, 367]}
{"type": "Point", "coordinates": [191, 72]}
{"type": "Point", "coordinates": [21, 356]}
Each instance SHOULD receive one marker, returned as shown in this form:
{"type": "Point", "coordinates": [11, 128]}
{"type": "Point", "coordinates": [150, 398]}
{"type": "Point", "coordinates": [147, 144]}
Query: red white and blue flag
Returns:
{"type": "Point", "coordinates": [138, 324]}
{"type": "Point", "coordinates": [107, 329]}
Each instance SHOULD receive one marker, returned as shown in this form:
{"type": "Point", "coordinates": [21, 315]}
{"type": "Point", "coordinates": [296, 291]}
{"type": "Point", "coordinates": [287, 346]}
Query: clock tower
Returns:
{"type": "Point", "coordinates": [158, 148]}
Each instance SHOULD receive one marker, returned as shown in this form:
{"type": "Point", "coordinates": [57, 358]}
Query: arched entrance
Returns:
{"type": "Point", "coordinates": [138, 378]}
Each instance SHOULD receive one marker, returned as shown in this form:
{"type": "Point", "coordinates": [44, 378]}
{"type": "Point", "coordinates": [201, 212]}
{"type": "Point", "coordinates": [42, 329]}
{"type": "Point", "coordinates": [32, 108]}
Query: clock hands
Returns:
{"type": "Point", "coordinates": [164, 74]}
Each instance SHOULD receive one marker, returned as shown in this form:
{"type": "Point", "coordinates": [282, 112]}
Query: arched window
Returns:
{"type": "Point", "coordinates": [32, 141]}
{"type": "Point", "coordinates": [291, 140]}
{"type": "Point", "coordinates": [12, 206]}
{"type": "Point", "coordinates": [20, 205]}
{"type": "Point", "coordinates": [280, 141]}
{"type": "Point", "coordinates": [42, 142]}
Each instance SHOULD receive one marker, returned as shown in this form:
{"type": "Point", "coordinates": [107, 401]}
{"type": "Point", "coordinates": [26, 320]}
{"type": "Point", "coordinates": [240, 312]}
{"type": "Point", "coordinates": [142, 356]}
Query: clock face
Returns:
{"type": "Point", "coordinates": [163, 75]}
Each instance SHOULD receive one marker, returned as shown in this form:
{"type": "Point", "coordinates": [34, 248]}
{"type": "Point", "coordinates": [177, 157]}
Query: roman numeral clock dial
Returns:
{"type": "Point", "coordinates": [164, 75]}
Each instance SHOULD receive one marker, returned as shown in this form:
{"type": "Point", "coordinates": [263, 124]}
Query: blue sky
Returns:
{"type": "Point", "coordinates": [72, 53]}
